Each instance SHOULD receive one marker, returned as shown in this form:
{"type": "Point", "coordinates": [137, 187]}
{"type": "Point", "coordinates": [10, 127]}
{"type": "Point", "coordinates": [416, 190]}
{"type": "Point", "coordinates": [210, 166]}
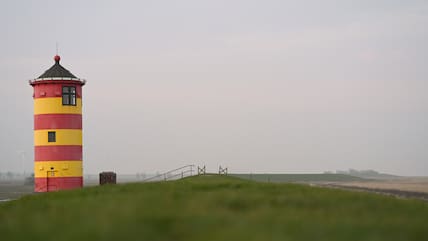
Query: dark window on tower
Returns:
{"type": "Point", "coordinates": [51, 136]}
{"type": "Point", "coordinates": [68, 95]}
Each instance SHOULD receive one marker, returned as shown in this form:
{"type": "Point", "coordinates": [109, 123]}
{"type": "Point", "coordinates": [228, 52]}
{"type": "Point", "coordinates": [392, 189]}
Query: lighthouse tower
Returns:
{"type": "Point", "coordinates": [57, 130]}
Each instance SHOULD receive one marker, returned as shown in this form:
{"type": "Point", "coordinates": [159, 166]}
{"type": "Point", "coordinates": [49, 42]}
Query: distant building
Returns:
{"type": "Point", "coordinates": [57, 130]}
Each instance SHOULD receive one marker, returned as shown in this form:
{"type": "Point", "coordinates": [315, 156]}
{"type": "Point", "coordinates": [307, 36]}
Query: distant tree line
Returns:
{"type": "Point", "coordinates": [13, 175]}
{"type": "Point", "coordinates": [354, 172]}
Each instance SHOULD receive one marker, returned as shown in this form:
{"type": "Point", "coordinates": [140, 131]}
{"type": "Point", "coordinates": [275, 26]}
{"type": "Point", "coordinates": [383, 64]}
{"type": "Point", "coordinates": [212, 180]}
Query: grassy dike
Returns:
{"type": "Point", "coordinates": [212, 208]}
{"type": "Point", "coordinates": [300, 177]}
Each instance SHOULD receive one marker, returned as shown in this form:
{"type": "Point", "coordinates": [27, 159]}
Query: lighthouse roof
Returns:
{"type": "Point", "coordinates": [57, 71]}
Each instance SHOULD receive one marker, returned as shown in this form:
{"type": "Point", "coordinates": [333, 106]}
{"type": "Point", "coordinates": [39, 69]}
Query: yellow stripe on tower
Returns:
{"type": "Point", "coordinates": [58, 169]}
{"type": "Point", "coordinates": [54, 106]}
{"type": "Point", "coordinates": [62, 137]}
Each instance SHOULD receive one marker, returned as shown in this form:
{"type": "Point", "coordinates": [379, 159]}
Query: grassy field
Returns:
{"type": "Point", "coordinates": [212, 208]}
{"type": "Point", "coordinates": [299, 177]}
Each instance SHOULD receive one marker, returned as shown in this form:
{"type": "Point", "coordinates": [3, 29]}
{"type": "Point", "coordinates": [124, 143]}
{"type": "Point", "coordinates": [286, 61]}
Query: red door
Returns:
{"type": "Point", "coordinates": [51, 185]}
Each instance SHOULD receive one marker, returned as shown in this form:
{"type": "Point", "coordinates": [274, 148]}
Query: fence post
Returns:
{"type": "Point", "coordinates": [222, 171]}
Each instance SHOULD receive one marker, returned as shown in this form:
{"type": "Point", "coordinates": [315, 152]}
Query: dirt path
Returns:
{"type": "Point", "coordinates": [391, 192]}
{"type": "Point", "coordinates": [12, 191]}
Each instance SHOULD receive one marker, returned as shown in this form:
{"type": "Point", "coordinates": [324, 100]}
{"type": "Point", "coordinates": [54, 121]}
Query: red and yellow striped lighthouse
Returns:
{"type": "Point", "coordinates": [57, 130]}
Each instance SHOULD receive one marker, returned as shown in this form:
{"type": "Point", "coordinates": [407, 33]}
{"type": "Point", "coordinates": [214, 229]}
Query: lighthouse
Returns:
{"type": "Point", "coordinates": [57, 129]}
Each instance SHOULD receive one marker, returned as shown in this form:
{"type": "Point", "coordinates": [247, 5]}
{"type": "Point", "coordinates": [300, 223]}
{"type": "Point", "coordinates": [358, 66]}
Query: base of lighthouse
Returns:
{"type": "Point", "coordinates": [50, 184]}
{"type": "Point", "coordinates": [57, 175]}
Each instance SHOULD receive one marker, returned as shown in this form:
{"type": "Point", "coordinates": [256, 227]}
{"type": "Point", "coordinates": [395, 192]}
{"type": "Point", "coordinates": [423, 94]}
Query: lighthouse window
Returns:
{"type": "Point", "coordinates": [51, 136]}
{"type": "Point", "coordinates": [68, 95]}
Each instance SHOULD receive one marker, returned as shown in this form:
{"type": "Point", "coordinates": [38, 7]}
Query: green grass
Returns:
{"type": "Point", "coordinates": [212, 208]}
{"type": "Point", "coordinates": [299, 177]}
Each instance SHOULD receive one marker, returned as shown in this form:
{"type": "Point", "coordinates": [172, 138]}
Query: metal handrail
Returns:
{"type": "Point", "coordinates": [182, 174]}
{"type": "Point", "coordinates": [164, 175]}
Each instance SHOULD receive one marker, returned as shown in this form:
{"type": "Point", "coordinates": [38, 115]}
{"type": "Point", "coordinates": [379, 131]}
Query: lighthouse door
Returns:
{"type": "Point", "coordinates": [51, 185]}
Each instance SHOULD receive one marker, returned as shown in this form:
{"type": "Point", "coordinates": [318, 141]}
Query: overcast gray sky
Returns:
{"type": "Point", "coordinates": [257, 86]}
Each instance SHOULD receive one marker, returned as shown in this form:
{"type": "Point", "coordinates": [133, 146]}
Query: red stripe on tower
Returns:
{"type": "Point", "coordinates": [53, 88]}
{"type": "Point", "coordinates": [57, 153]}
{"type": "Point", "coordinates": [57, 121]}
{"type": "Point", "coordinates": [57, 183]}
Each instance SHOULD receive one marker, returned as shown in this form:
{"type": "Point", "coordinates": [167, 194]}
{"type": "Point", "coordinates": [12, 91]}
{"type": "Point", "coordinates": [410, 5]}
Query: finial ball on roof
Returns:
{"type": "Point", "coordinates": [57, 58]}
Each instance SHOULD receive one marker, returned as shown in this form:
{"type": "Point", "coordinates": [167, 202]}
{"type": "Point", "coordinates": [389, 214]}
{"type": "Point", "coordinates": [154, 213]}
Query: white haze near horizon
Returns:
{"type": "Point", "coordinates": [257, 86]}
